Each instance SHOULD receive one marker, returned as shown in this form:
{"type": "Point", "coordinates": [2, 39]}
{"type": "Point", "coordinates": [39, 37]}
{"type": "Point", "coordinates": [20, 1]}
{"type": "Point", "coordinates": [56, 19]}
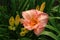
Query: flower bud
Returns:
{"type": "Point", "coordinates": [17, 20]}
{"type": "Point", "coordinates": [11, 21]}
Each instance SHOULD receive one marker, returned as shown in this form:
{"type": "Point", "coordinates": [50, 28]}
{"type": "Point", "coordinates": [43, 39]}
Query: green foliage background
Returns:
{"type": "Point", "coordinates": [9, 8]}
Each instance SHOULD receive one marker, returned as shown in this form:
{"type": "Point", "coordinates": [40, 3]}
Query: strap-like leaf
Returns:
{"type": "Point", "coordinates": [50, 34]}
{"type": "Point", "coordinates": [52, 28]}
{"type": "Point", "coordinates": [25, 38]}
{"type": "Point", "coordinates": [25, 4]}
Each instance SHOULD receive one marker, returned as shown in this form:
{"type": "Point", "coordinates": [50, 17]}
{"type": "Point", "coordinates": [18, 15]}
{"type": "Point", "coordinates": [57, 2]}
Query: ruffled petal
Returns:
{"type": "Point", "coordinates": [38, 31]}
{"type": "Point", "coordinates": [26, 24]}
{"type": "Point", "coordinates": [43, 18]}
{"type": "Point", "coordinates": [28, 27]}
{"type": "Point", "coordinates": [34, 13]}
{"type": "Point", "coordinates": [27, 15]}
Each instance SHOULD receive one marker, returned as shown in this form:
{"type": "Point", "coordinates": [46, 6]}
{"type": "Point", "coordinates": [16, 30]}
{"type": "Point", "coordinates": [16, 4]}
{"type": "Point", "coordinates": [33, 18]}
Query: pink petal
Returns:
{"type": "Point", "coordinates": [38, 31]}
{"type": "Point", "coordinates": [34, 13]}
{"type": "Point", "coordinates": [26, 25]}
{"type": "Point", "coordinates": [43, 18]}
{"type": "Point", "coordinates": [38, 24]}
{"type": "Point", "coordinates": [29, 14]}
{"type": "Point", "coordinates": [25, 22]}
{"type": "Point", "coordinates": [26, 15]}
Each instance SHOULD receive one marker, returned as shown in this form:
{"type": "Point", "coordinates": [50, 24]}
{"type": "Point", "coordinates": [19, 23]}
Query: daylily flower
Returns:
{"type": "Point", "coordinates": [34, 20]}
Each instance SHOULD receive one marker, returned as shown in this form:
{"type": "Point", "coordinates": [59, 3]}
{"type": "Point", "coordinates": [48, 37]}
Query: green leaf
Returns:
{"type": "Point", "coordinates": [55, 9]}
{"type": "Point", "coordinates": [26, 2]}
{"type": "Point", "coordinates": [52, 28]}
{"type": "Point", "coordinates": [58, 26]}
{"type": "Point", "coordinates": [58, 37]}
{"type": "Point", "coordinates": [52, 22]}
{"type": "Point", "coordinates": [13, 7]}
{"type": "Point", "coordinates": [25, 38]}
{"type": "Point", "coordinates": [50, 34]}
{"type": "Point", "coordinates": [54, 17]}
{"type": "Point", "coordinates": [49, 4]}
{"type": "Point", "coordinates": [27, 7]}
{"type": "Point", "coordinates": [21, 4]}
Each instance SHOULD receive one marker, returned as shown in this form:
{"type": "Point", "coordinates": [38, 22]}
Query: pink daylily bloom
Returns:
{"type": "Point", "coordinates": [34, 20]}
